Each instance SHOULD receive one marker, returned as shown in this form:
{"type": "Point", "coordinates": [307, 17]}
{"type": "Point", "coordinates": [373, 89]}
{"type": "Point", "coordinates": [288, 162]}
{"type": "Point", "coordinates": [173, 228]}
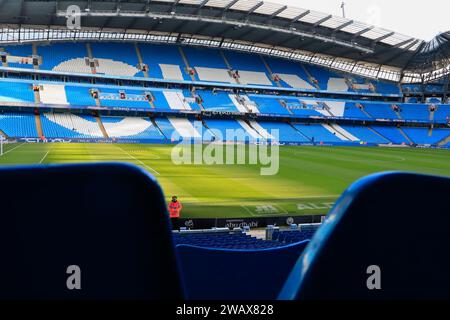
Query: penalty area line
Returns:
{"type": "Point", "coordinates": [136, 159]}
{"type": "Point", "coordinates": [14, 148]}
{"type": "Point", "coordinates": [45, 156]}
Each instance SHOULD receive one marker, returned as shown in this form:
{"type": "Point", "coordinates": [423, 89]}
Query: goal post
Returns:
{"type": "Point", "coordinates": [1, 144]}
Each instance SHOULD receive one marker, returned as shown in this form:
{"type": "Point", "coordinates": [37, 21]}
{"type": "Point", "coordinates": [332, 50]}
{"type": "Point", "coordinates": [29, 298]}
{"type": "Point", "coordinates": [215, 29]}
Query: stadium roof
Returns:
{"type": "Point", "coordinates": [250, 25]}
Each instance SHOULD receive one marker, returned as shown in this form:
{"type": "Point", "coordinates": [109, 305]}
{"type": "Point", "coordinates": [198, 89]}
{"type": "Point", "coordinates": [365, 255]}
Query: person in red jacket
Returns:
{"type": "Point", "coordinates": [175, 211]}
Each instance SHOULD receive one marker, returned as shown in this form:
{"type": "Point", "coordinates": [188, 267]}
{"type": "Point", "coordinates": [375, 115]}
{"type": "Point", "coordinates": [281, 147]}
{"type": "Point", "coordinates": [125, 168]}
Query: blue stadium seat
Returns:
{"type": "Point", "coordinates": [110, 220]}
{"type": "Point", "coordinates": [362, 231]}
{"type": "Point", "coordinates": [221, 274]}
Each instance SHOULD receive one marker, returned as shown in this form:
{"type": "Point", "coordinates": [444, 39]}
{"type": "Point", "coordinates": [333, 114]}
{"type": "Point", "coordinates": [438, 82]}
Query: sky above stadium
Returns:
{"type": "Point", "coordinates": [422, 19]}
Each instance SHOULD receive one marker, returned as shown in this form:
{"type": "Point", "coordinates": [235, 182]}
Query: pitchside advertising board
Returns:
{"type": "Point", "coordinates": [250, 222]}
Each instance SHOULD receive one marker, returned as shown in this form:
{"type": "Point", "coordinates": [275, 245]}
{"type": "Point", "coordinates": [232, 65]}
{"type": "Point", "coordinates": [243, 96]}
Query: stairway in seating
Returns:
{"type": "Point", "coordinates": [158, 128]}
{"type": "Point", "coordinates": [328, 109]}
{"type": "Point", "coordinates": [35, 53]}
{"type": "Point", "coordinates": [363, 110]}
{"type": "Point", "coordinates": [444, 141]}
{"type": "Point", "coordinates": [37, 96]}
{"type": "Point", "coordinates": [432, 116]}
{"type": "Point", "coordinates": [37, 119]}
{"type": "Point", "coordinates": [378, 134]}
{"type": "Point", "coordinates": [430, 131]}
{"type": "Point", "coordinates": [397, 113]}
{"type": "Point", "coordinates": [284, 105]}
{"type": "Point", "coordinates": [102, 127]}
{"type": "Point", "coordinates": [299, 132]}
{"type": "Point", "coordinates": [310, 77]}
{"type": "Point", "coordinates": [139, 55]}
{"type": "Point", "coordinates": [91, 57]}
{"type": "Point", "coordinates": [270, 71]}
{"type": "Point", "coordinates": [200, 104]}
{"type": "Point", "coordinates": [227, 63]}
{"type": "Point", "coordinates": [3, 134]}
{"type": "Point", "coordinates": [186, 64]}
{"type": "Point", "coordinates": [338, 132]}
{"type": "Point", "coordinates": [405, 135]}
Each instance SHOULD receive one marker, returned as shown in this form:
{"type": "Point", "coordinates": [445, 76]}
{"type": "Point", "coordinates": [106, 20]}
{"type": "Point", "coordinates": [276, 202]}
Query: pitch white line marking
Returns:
{"type": "Point", "coordinates": [45, 156]}
{"type": "Point", "coordinates": [132, 157]}
{"type": "Point", "coordinates": [14, 148]}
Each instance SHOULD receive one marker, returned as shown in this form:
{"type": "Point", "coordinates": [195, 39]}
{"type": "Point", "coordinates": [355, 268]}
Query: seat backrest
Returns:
{"type": "Point", "coordinates": [94, 231]}
{"type": "Point", "coordinates": [388, 231]}
{"type": "Point", "coordinates": [225, 274]}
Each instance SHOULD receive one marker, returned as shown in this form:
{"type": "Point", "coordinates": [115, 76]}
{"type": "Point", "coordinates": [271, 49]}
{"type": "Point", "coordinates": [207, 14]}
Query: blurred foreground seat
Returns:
{"type": "Point", "coordinates": [231, 274]}
{"type": "Point", "coordinates": [94, 231]}
{"type": "Point", "coordinates": [388, 231]}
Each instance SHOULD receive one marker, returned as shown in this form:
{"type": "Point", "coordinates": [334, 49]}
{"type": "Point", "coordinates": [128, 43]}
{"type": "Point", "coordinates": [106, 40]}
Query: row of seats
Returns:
{"type": "Point", "coordinates": [219, 101]}
{"type": "Point", "coordinates": [68, 125]}
{"type": "Point", "coordinates": [233, 240]}
{"type": "Point", "coordinates": [305, 232]}
{"type": "Point", "coordinates": [172, 62]}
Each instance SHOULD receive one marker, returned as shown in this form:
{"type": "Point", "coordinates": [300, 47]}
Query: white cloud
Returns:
{"type": "Point", "coordinates": [416, 18]}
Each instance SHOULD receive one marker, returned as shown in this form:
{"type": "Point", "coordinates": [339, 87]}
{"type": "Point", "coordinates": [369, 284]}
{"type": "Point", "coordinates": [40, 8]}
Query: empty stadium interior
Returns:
{"type": "Point", "coordinates": [352, 102]}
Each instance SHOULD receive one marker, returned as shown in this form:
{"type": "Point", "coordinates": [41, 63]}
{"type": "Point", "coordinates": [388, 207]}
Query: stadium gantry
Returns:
{"type": "Point", "coordinates": [160, 72]}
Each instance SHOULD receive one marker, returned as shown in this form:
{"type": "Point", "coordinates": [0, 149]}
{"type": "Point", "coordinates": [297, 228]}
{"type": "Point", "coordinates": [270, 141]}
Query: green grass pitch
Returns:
{"type": "Point", "coordinates": [309, 180]}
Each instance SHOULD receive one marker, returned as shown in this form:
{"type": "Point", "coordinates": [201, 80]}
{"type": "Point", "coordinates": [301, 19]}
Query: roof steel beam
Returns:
{"type": "Point", "coordinates": [231, 23]}
{"type": "Point", "coordinates": [342, 26]}
{"type": "Point", "coordinates": [360, 33]}
{"type": "Point", "coordinates": [318, 23]}
{"type": "Point", "coordinates": [252, 9]}
{"type": "Point", "coordinates": [277, 12]}
{"type": "Point", "coordinates": [304, 14]}
{"type": "Point", "coordinates": [390, 34]}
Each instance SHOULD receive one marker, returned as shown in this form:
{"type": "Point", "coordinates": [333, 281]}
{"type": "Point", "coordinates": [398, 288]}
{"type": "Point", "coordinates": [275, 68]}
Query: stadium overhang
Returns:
{"type": "Point", "coordinates": [248, 25]}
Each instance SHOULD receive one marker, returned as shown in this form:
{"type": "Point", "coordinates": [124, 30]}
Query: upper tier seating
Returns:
{"type": "Point", "coordinates": [380, 110]}
{"type": "Point", "coordinates": [244, 274]}
{"type": "Point", "coordinates": [18, 125]}
{"type": "Point", "coordinates": [415, 112]}
{"type": "Point", "coordinates": [116, 59]}
{"type": "Point", "coordinates": [96, 224]}
{"type": "Point", "coordinates": [79, 96]}
{"type": "Point", "coordinates": [65, 57]}
{"type": "Point", "coordinates": [19, 52]}
{"type": "Point", "coordinates": [353, 111]}
{"type": "Point", "coordinates": [166, 62]}
{"type": "Point", "coordinates": [133, 99]}
{"type": "Point", "coordinates": [290, 73]}
{"type": "Point", "coordinates": [442, 113]}
{"type": "Point", "coordinates": [387, 240]}
{"type": "Point", "coordinates": [159, 56]}
{"type": "Point", "coordinates": [217, 101]}
{"type": "Point", "coordinates": [268, 104]}
{"type": "Point", "coordinates": [16, 92]}
{"type": "Point", "coordinates": [204, 58]}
